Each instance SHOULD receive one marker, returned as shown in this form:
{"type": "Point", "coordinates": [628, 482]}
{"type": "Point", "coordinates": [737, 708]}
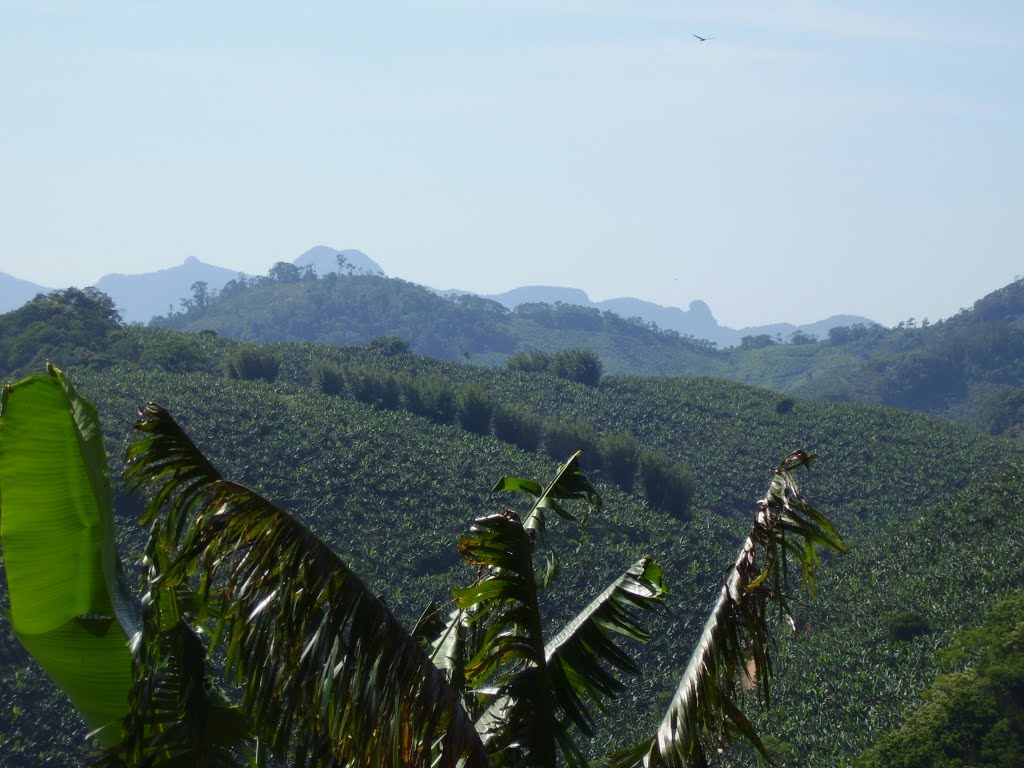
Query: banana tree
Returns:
{"type": "Point", "coordinates": [70, 603]}
{"type": "Point", "coordinates": [329, 676]}
{"type": "Point", "coordinates": [336, 648]}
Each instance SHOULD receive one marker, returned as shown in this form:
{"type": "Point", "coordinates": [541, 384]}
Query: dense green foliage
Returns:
{"type": "Point", "coordinates": [906, 625]}
{"type": "Point", "coordinates": [1002, 413]}
{"type": "Point", "coordinates": [948, 562]}
{"type": "Point", "coordinates": [350, 309]}
{"type": "Point", "coordinates": [970, 717]}
{"type": "Point", "coordinates": [935, 511]}
{"type": "Point", "coordinates": [475, 408]}
{"type": "Point", "coordinates": [945, 368]}
{"type": "Point", "coordinates": [355, 309]}
{"type": "Point", "coordinates": [964, 368]}
{"type": "Point", "coordinates": [74, 325]}
{"type": "Point", "coordinates": [579, 365]}
{"type": "Point", "coordinates": [620, 458]}
{"type": "Point", "coordinates": [251, 363]}
{"type": "Point", "coordinates": [667, 484]}
{"type": "Point", "coordinates": [305, 635]}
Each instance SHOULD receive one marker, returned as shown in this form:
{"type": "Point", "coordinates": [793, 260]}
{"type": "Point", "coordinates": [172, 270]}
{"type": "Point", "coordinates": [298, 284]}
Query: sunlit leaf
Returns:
{"type": "Point", "coordinates": [69, 605]}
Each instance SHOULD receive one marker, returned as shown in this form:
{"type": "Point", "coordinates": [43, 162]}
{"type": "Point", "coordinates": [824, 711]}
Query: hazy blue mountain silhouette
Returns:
{"type": "Point", "coordinates": [324, 260]}
{"type": "Point", "coordinates": [140, 297]}
{"type": "Point", "coordinates": [14, 292]}
{"type": "Point", "coordinates": [697, 321]}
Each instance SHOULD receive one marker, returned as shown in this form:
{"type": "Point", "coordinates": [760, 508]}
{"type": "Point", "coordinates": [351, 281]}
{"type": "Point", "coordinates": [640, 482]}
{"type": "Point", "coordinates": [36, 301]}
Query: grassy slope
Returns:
{"type": "Point", "coordinates": [391, 492]}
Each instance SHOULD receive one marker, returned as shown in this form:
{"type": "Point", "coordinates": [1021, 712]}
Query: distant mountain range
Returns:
{"type": "Point", "coordinates": [15, 292]}
{"type": "Point", "coordinates": [140, 297]}
{"type": "Point", "coordinates": [697, 321]}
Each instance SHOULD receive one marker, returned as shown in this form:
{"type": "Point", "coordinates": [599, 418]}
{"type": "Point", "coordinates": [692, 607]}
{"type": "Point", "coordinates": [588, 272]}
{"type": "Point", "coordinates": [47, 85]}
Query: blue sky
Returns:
{"type": "Point", "coordinates": [814, 158]}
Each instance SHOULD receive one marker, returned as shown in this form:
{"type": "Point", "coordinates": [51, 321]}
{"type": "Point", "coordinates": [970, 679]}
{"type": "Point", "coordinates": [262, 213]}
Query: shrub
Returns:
{"type": "Point", "coordinates": [785, 405]}
{"type": "Point", "coordinates": [620, 459]}
{"type": "Point", "coordinates": [667, 484]}
{"type": "Point", "coordinates": [412, 394]}
{"type": "Point", "coordinates": [516, 426]}
{"type": "Point", "coordinates": [475, 408]}
{"type": "Point", "coordinates": [759, 341]}
{"type": "Point", "coordinates": [388, 346]}
{"type": "Point", "coordinates": [534, 361]}
{"type": "Point", "coordinates": [1002, 412]}
{"type": "Point", "coordinates": [562, 439]}
{"type": "Point", "coordinates": [328, 378]}
{"type": "Point", "coordinates": [908, 625]}
{"type": "Point", "coordinates": [251, 363]}
{"type": "Point", "coordinates": [373, 386]}
{"type": "Point", "coordinates": [580, 365]}
{"type": "Point", "coordinates": [438, 400]}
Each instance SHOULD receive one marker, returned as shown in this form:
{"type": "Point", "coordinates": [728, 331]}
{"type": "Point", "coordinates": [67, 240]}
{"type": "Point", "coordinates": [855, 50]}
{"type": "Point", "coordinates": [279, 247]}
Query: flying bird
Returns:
{"type": "Point", "coordinates": [703, 39]}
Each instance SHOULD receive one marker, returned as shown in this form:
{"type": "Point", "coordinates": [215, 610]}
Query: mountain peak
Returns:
{"type": "Point", "coordinates": [700, 310]}
{"type": "Point", "coordinates": [324, 259]}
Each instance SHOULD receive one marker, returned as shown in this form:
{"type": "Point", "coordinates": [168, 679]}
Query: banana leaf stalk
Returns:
{"type": "Point", "coordinates": [735, 644]}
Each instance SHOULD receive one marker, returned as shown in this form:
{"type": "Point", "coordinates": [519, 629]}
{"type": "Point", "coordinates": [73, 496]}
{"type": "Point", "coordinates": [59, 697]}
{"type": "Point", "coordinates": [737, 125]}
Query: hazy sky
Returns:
{"type": "Point", "coordinates": [814, 158]}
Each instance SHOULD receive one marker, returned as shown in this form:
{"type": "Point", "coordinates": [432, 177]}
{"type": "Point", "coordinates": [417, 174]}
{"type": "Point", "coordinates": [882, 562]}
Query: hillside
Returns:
{"type": "Point", "coordinates": [934, 512]}
{"type": "Point", "coordinates": [343, 310]}
{"type": "Point", "coordinates": [968, 367]}
{"type": "Point", "coordinates": [965, 368]}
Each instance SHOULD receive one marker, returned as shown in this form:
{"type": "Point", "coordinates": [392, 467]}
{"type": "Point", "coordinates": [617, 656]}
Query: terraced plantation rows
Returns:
{"type": "Point", "coordinates": [931, 510]}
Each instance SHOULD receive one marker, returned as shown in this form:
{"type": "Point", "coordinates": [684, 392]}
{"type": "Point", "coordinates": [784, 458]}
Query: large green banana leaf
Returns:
{"type": "Point", "coordinates": [69, 605]}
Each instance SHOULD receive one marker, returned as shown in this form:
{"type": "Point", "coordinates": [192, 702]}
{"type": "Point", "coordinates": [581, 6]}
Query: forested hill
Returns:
{"type": "Point", "coordinates": [352, 309]}
{"type": "Point", "coordinates": [967, 368]}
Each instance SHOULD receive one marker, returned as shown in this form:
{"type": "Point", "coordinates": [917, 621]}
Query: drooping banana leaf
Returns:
{"type": "Point", "coordinates": [329, 675]}
{"type": "Point", "coordinates": [578, 657]}
{"type": "Point", "coordinates": [70, 606]}
{"type": "Point", "coordinates": [177, 717]}
{"type": "Point", "coordinates": [737, 636]}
